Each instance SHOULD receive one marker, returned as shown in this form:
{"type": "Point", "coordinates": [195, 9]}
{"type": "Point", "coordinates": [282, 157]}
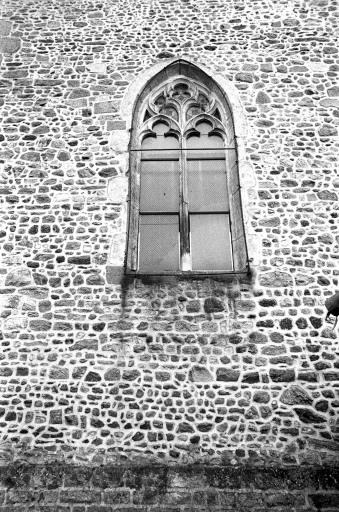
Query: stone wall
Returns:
{"type": "Point", "coordinates": [123, 370]}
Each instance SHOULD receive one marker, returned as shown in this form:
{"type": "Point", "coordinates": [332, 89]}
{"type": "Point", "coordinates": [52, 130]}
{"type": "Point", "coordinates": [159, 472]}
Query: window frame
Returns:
{"type": "Point", "coordinates": [131, 267]}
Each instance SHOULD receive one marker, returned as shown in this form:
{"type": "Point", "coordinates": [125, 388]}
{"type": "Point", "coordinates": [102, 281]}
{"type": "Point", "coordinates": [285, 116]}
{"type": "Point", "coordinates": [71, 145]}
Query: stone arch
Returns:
{"type": "Point", "coordinates": [120, 140]}
{"type": "Point", "coordinates": [246, 172]}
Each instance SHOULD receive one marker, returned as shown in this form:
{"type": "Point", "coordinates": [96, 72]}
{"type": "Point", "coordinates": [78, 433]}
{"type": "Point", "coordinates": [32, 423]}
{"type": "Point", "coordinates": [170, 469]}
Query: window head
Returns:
{"type": "Point", "coordinates": [185, 211]}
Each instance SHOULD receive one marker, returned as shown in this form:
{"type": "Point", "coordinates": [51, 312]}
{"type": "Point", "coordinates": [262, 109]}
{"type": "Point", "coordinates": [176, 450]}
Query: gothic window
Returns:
{"type": "Point", "coordinates": [185, 205]}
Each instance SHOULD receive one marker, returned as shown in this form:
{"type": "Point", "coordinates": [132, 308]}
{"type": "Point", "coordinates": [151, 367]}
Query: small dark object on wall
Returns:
{"type": "Point", "coordinates": [332, 305]}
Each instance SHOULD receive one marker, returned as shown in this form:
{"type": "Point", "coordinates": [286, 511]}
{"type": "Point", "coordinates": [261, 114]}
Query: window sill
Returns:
{"type": "Point", "coordinates": [116, 275]}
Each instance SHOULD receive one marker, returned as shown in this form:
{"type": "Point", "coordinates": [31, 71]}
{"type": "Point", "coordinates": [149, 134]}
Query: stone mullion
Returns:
{"type": "Point", "coordinates": [185, 253]}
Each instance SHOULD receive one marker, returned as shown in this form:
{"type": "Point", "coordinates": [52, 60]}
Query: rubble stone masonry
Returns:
{"type": "Point", "coordinates": [132, 394]}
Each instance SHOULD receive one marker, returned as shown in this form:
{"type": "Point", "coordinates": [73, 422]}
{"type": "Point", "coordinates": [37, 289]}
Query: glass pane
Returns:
{"type": "Point", "coordinates": [160, 128]}
{"type": "Point", "coordinates": [204, 127]}
{"type": "Point", "coordinates": [159, 243]}
{"type": "Point", "coordinates": [205, 146]}
{"type": "Point", "coordinates": [211, 242]}
{"type": "Point", "coordinates": [159, 186]}
{"type": "Point", "coordinates": [160, 147]}
{"type": "Point", "coordinates": [207, 185]}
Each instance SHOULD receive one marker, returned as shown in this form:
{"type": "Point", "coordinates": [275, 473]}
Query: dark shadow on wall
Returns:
{"type": "Point", "coordinates": [234, 283]}
{"type": "Point", "coordinates": [193, 487]}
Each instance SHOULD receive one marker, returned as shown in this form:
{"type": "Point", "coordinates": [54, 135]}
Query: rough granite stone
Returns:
{"type": "Point", "coordinates": [276, 279]}
{"type": "Point", "coordinates": [9, 45]}
{"type": "Point", "coordinates": [200, 374]}
{"type": "Point", "coordinates": [18, 277]}
{"type": "Point", "coordinates": [295, 395]}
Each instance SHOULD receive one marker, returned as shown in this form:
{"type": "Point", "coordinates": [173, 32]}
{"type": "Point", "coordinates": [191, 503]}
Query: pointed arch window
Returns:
{"type": "Point", "coordinates": [185, 204]}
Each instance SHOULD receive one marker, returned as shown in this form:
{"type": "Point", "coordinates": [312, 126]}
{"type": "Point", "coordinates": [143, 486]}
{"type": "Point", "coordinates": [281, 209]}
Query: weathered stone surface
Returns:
{"type": "Point", "coordinates": [309, 416]}
{"type": "Point", "coordinates": [59, 373]}
{"type": "Point", "coordinates": [5, 27]}
{"type": "Point", "coordinates": [63, 156]}
{"type": "Point", "coordinates": [14, 323]}
{"type": "Point", "coordinates": [326, 444]}
{"type": "Point", "coordinates": [104, 107]}
{"type": "Point", "coordinates": [9, 44]}
{"type": "Point", "coordinates": [130, 374]}
{"type": "Point", "coordinates": [282, 375]}
{"type": "Point", "coordinates": [108, 172]}
{"type": "Point", "coordinates": [200, 374]}
{"type": "Point", "coordinates": [333, 91]}
{"type": "Point", "coordinates": [92, 377]}
{"type": "Point", "coordinates": [276, 279]}
{"type": "Point", "coordinates": [40, 325]}
{"type": "Point", "coordinates": [286, 324]}
{"type": "Point", "coordinates": [244, 77]}
{"type": "Point", "coordinates": [35, 292]}
{"type": "Point", "coordinates": [48, 82]}
{"type": "Point", "coordinates": [95, 280]}
{"type": "Point", "coordinates": [6, 372]}
{"type": "Point", "coordinates": [62, 326]}
{"type": "Point", "coordinates": [270, 222]}
{"type": "Point", "coordinates": [165, 55]}
{"type": "Point", "coordinates": [185, 427]}
{"type": "Point", "coordinates": [327, 195]}
{"type": "Point", "coordinates": [112, 374]}
{"type": "Point", "coordinates": [80, 260]}
{"type": "Point", "coordinates": [78, 93]}
{"type": "Point", "coordinates": [262, 98]}
{"type": "Point", "coordinates": [85, 344]}
{"type": "Point", "coordinates": [295, 395]}
{"type": "Point", "coordinates": [213, 305]}
{"type": "Point", "coordinates": [162, 376]}
{"type": "Point", "coordinates": [227, 375]}
{"type": "Point", "coordinates": [328, 131]}
{"type": "Point", "coordinates": [330, 102]}
{"type": "Point", "coordinates": [258, 337]}
{"type": "Point", "coordinates": [18, 277]}
{"type": "Point", "coordinates": [261, 397]}
{"type": "Point", "coordinates": [331, 376]}
{"type": "Point", "coordinates": [308, 376]}
{"type": "Point", "coordinates": [31, 156]}
{"type": "Point", "coordinates": [264, 123]}
{"type": "Point", "coordinates": [321, 500]}
{"type": "Point", "coordinates": [251, 377]}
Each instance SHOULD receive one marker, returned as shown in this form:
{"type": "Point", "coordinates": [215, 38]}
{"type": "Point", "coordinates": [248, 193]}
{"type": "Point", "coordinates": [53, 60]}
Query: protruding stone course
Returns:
{"type": "Point", "coordinates": [158, 487]}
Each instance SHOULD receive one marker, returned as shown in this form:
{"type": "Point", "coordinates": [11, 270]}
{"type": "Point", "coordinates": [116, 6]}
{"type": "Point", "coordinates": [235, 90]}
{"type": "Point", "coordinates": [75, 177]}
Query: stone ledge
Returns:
{"type": "Point", "coordinates": [65, 488]}
{"type": "Point", "coordinates": [56, 475]}
{"type": "Point", "coordinates": [56, 488]}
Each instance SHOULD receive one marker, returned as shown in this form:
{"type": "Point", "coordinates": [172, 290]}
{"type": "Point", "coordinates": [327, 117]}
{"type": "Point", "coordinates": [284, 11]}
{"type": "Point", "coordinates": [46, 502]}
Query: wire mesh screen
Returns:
{"type": "Point", "coordinates": [159, 243]}
{"type": "Point", "coordinates": [205, 146]}
{"type": "Point", "coordinates": [159, 186]}
{"type": "Point", "coordinates": [211, 242]}
{"type": "Point", "coordinates": [160, 147]}
{"type": "Point", "coordinates": [207, 185]}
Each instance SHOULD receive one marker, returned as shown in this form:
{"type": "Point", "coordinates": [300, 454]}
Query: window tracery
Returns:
{"type": "Point", "coordinates": [184, 183]}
